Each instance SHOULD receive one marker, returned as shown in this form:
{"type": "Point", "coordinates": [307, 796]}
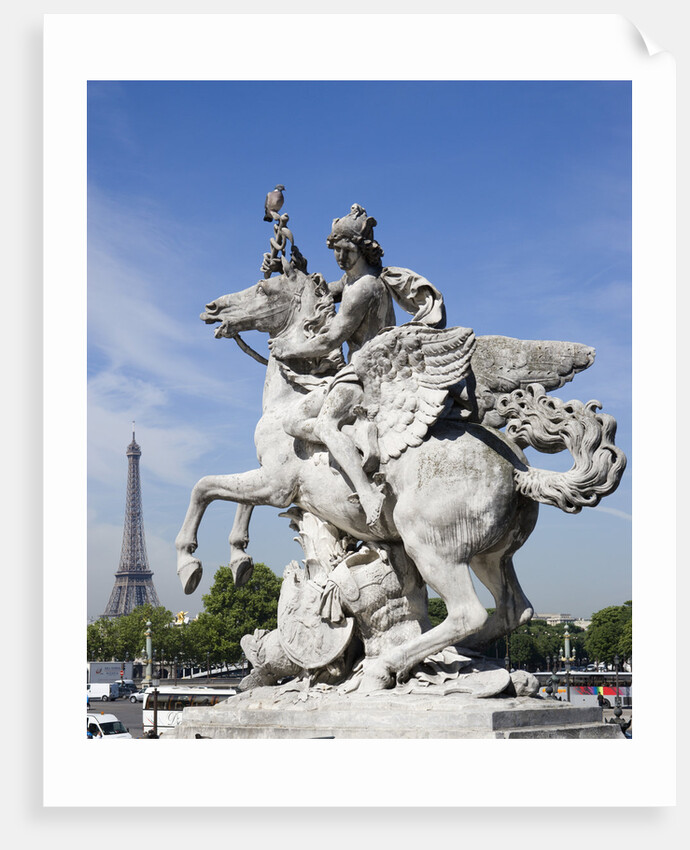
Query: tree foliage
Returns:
{"type": "Point", "coordinates": [625, 641]}
{"type": "Point", "coordinates": [230, 613]}
{"type": "Point", "coordinates": [125, 637]}
{"type": "Point", "coordinates": [610, 633]}
{"type": "Point", "coordinates": [529, 646]}
{"type": "Point", "coordinates": [535, 645]}
{"type": "Point", "coordinates": [437, 610]}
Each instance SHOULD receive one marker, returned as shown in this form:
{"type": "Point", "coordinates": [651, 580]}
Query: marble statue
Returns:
{"type": "Point", "coordinates": [399, 461]}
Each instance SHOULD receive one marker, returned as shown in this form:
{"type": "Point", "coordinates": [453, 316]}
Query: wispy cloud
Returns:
{"type": "Point", "coordinates": [145, 341]}
{"type": "Point", "coordinates": [171, 449]}
{"type": "Point", "coordinates": [615, 512]}
{"type": "Point", "coordinates": [150, 358]}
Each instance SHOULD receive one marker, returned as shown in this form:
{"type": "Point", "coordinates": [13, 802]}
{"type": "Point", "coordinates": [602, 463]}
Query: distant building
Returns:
{"type": "Point", "coordinates": [562, 619]}
{"type": "Point", "coordinates": [555, 619]}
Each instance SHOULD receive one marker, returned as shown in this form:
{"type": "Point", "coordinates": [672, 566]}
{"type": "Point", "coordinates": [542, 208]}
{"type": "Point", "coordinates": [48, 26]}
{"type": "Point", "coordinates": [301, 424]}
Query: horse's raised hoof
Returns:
{"type": "Point", "coordinates": [190, 572]}
{"type": "Point", "coordinates": [526, 616]}
{"type": "Point", "coordinates": [242, 570]}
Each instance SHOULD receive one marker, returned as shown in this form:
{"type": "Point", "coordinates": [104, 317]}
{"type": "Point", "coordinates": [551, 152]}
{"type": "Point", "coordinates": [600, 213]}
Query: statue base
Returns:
{"type": "Point", "coordinates": [294, 711]}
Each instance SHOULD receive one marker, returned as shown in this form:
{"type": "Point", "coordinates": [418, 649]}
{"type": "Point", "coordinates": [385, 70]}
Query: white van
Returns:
{"type": "Point", "coordinates": [105, 726]}
{"type": "Point", "coordinates": [104, 691]}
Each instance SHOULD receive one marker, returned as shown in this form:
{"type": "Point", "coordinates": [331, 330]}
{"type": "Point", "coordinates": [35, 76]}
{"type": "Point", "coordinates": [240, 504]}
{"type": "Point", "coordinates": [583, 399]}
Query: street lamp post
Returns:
{"type": "Point", "coordinates": [554, 678]}
{"type": "Point", "coordinates": [567, 660]}
{"type": "Point", "coordinates": [148, 655]}
{"type": "Point", "coordinates": [617, 710]}
{"type": "Point", "coordinates": [155, 681]}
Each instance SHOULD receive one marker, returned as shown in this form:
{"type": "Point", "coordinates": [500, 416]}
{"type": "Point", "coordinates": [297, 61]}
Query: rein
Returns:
{"type": "Point", "coordinates": [249, 350]}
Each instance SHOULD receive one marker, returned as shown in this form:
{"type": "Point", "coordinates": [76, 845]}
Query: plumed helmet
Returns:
{"type": "Point", "coordinates": [356, 227]}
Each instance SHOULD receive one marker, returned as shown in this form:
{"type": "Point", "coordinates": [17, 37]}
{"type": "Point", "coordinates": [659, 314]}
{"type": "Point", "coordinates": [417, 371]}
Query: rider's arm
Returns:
{"type": "Point", "coordinates": [358, 299]}
{"type": "Point", "coordinates": [336, 289]}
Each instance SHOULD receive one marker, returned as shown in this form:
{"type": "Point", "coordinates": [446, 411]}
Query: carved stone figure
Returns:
{"type": "Point", "coordinates": [395, 471]}
{"type": "Point", "coordinates": [366, 308]}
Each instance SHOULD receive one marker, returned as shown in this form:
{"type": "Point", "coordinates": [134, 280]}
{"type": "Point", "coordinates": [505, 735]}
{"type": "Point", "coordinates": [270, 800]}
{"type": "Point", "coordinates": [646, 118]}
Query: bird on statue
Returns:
{"type": "Point", "coordinates": [274, 201]}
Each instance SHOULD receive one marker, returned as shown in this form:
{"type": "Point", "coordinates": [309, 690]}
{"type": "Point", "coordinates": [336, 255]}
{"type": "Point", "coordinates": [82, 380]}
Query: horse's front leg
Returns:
{"type": "Point", "coordinates": [241, 563]}
{"type": "Point", "coordinates": [245, 488]}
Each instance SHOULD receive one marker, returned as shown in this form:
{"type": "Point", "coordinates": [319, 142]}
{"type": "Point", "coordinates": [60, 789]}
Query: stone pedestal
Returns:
{"type": "Point", "coordinates": [324, 713]}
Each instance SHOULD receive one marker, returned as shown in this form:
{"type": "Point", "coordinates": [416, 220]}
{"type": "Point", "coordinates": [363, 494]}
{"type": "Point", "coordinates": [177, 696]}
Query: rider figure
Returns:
{"type": "Point", "coordinates": [366, 307]}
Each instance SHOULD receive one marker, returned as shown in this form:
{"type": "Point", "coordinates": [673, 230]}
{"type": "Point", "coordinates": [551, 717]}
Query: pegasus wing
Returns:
{"type": "Point", "coordinates": [405, 373]}
{"type": "Point", "coordinates": [502, 364]}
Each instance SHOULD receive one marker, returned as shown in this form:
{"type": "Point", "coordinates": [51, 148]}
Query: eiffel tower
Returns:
{"type": "Point", "coordinates": [133, 579]}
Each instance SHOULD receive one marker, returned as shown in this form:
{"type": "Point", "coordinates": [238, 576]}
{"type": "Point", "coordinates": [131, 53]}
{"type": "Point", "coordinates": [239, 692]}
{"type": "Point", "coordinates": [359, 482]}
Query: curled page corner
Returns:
{"type": "Point", "coordinates": [644, 42]}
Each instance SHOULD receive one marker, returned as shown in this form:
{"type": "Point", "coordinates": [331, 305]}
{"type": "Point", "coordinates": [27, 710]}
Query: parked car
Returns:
{"type": "Point", "coordinates": [105, 726]}
{"type": "Point", "coordinates": [137, 696]}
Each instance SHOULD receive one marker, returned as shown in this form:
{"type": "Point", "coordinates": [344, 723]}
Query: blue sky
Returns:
{"type": "Point", "coordinates": [513, 198]}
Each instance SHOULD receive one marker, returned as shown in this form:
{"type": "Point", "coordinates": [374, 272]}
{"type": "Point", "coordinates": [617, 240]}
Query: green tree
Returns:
{"type": "Point", "coordinates": [534, 645]}
{"type": "Point", "coordinates": [610, 631]}
{"type": "Point", "coordinates": [117, 638]}
{"type": "Point", "coordinates": [133, 631]}
{"type": "Point", "coordinates": [625, 642]}
{"type": "Point", "coordinates": [232, 612]}
{"type": "Point", "coordinates": [101, 640]}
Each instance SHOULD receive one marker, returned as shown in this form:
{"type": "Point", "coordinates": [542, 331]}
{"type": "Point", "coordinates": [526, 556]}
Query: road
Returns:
{"type": "Point", "coordinates": [131, 713]}
{"type": "Point", "coordinates": [125, 711]}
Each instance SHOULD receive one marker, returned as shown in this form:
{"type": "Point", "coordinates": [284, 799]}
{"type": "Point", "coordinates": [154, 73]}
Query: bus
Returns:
{"type": "Point", "coordinates": [586, 688]}
{"type": "Point", "coordinates": [168, 701]}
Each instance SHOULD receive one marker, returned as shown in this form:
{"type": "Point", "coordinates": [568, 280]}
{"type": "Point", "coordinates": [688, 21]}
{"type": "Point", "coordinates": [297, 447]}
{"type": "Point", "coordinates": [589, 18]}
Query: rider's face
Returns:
{"type": "Point", "coordinates": [346, 255]}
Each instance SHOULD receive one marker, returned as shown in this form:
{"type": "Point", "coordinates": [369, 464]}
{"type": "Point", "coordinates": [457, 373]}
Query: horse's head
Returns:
{"type": "Point", "coordinates": [293, 302]}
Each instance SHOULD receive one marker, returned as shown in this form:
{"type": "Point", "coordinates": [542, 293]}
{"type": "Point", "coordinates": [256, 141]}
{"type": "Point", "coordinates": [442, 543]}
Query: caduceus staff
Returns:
{"type": "Point", "coordinates": [275, 260]}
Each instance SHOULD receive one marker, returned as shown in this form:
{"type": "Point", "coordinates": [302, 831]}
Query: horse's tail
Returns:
{"type": "Point", "coordinates": [551, 425]}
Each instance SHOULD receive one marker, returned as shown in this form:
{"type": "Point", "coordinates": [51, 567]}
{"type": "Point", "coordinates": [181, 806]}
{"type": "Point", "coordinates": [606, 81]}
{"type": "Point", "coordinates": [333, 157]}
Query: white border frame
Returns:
{"type": "Point", "coordinates": [283, 773]}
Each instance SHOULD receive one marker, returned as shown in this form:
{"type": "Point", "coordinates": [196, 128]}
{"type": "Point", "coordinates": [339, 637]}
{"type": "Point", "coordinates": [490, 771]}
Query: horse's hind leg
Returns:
{"type": "Point", "coordinates": [466, 615]}
{"type": "Point", "coordinates": [513, 608]}
{"type": "Point", "coordinates": [495, 570]}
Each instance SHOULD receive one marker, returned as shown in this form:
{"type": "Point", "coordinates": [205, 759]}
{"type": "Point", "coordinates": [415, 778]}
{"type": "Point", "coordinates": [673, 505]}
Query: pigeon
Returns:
{"type": "Point", "coordinates": [274, 201]}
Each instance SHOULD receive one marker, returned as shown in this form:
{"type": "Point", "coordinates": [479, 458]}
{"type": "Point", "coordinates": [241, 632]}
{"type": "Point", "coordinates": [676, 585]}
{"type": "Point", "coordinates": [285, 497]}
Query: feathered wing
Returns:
{"type": "Point", "coordinates": [405, 373]}
{"type": "Point", "coordinates": [501, 364]}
